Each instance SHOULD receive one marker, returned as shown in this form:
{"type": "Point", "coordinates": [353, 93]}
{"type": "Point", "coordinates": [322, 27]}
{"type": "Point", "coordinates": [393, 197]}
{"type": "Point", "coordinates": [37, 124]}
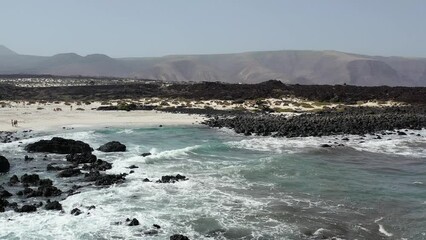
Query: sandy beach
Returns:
{"type": "Point", "coordinates": [40, 116]}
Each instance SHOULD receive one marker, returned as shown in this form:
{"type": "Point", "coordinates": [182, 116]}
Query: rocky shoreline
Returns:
{"type": "Point", "coordinates": [349, 120]}
{"type": "Point", "coordinates": [29, 192]}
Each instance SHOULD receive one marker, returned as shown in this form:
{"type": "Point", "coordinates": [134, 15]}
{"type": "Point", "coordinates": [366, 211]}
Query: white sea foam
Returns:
{"type": "Point", "coordinates": [383, 230]}
{"type": "Point", "coordinates": [169, 154]}
{"type": "Point", "coordinates": [125, 131]}
{"type": "Point", "coordinates": [408, 145]}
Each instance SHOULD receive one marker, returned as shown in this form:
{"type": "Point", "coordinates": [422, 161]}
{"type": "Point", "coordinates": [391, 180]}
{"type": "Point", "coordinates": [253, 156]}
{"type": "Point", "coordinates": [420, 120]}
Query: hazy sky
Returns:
{"type": "Point", "coordinates": [122, 28]}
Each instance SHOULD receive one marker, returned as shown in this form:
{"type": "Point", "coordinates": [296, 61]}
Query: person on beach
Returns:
{"type": "Point", "coordinates": [11, 121]}
{"type": "Point", "coordinates": [15, 123]}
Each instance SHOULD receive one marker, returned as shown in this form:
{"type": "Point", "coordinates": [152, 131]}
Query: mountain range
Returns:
{"type": "Point", "coordinates": [288, 66]}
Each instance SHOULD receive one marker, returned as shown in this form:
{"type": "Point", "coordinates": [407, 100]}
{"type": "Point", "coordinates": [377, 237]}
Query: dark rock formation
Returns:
{"type": "Point", "coordinates": [104, 179]}
{"type": "Point", "coordinates": [134, 222]}
{"type": "Point", "coordinates": [171, 179]}
{"type": "Point", "coordinates": [79, 158]}
{"type": "Point", "coordinates": [109, 179]}
{"type": "Point", "coordinates": [69, 173]}
{"type": "Point", "coordinates": [4, 164]}
{"type": "Point", "coordinates": [5, 194]}
{"type": "Point", "coordinates": [76, 212]}
{"type": "Point", "coordinates": [13, 180]}
{"type": "Point", "coordinates": [146, 154]}
{"type": "Point", "coordinates": [98, 165]}
{"type": "Point", "coordinates": [26, 208]}
{"type": "Point", "coordinates": [357, 121]}
{"type": "Point", "coordinates": [113, 146]}
{"type": "Point", "coordinates": [32, 179]}
{"type": "Point", "coordinates": [55, 205]}
{"type": "Point", "coordinates": [178, 237]}
{"type": "Point", "coordinates": [59, 145]}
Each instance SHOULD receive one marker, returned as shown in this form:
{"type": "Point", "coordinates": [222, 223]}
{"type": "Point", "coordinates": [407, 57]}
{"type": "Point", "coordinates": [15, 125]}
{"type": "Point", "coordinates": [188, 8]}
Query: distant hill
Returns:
{"type": "Point", "coordinates": [4, 51]}
{"type": "Point", "coordinates": [303, 67]}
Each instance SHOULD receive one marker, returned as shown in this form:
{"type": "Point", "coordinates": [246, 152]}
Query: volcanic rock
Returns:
{"type": "Point", "coordinates": [4, 164]}
{"type": "Point", "coordinates": [171, 179]}
{"type": "Point", "coordinates": [76, 212]}
{"type": "Point", "coordinates": [55, 205]}
{"type": "Point", "coordinates": [69, 173]}
{"type": "Point", "coordinates": [134, 222]}
{"type": "Point", "coordinates": [26, 208]}
{"type": "Point", "coordinates": [59, 145]}
{"type": "Point", "coordinates": [178, 237]}
{"type": "Point", "coordinates": [5, 194]}
{"type": "Point", "coordinates": [32, 179]}
{"type": "Point", "coordinates": [113, 146]}
{"type": "Point", "coordinates": [79, 158]}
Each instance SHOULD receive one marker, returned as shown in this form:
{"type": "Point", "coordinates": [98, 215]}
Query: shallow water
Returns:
{"type": "Point", "coordinates": [239, 187]}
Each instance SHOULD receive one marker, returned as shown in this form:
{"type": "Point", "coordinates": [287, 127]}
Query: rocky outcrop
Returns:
{"type": "Point", "coordinates": [356, 120]}
{"type": "Point", "coordinates": [178, 237]}
{"type": "Point", "coordinates": [59, 145]}
{"type": "Point", "coordinates": [4, 164]}
{"type": "Point", "coordinates": [113, 146]}
{"type": "Point", "coordinates": [55, 205]}
{"type": "Point", "coordinates": [79, 158]}
{"type": "Point", "coordinates": [172, 179]}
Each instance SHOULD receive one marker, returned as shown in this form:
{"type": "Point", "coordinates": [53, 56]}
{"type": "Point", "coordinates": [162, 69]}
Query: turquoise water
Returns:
{"type": "Point", "coordinates": [239, 187]}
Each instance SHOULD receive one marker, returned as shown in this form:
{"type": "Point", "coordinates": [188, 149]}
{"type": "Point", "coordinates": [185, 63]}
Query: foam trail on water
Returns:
{"type": "Point", "coordinates": [383, 230]}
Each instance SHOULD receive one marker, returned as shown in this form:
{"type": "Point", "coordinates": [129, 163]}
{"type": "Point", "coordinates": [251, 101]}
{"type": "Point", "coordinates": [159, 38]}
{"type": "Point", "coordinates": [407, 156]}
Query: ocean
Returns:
{"type": "Point", "coordinates": [238, 187]}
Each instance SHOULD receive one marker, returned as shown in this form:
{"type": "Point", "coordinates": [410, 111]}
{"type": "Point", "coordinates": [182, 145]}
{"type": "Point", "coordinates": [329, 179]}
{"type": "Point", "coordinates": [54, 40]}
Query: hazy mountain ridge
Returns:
{"type": "Point", "coordinates": [304, 67]}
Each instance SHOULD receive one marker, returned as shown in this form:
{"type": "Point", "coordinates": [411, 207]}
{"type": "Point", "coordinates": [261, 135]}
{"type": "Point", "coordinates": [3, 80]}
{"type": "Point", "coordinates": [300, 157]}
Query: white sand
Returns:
{"type": "Point", "coordinates": [29, 117]}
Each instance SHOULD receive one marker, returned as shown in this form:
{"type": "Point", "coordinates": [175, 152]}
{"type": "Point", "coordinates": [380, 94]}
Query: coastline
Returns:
{"type": "Point", "coordinates": [42, 117]}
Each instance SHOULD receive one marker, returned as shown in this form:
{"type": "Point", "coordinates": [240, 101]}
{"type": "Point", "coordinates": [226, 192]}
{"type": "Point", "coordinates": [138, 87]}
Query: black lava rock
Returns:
{"type": "Point", "coordinates": [13, 180]}
{"type": "Point", "coordinates": [69, 173]}
{"type": "Point", "coordinates": [59, 145]}
{"type": "Point", "coordinates": [109, 179]}
{"type": "Point", "coordinates": [146, 154]}
{"type": "Point", "coordinates": [171, 179]}
{"type": "Point", "coordinates": [31, 179]}
{"type": "Point", "coordinates": [156, 226]}
{"type": "Point", "coordinates": [79, 158]}
{"type": "Point", "coordinates": [113, 146]}
{"type": "Point", "coordinates": [76, 212]}
{"type": "Point", "coordinates": [26, 208]}
{"type": "Point", "coordinates": [134, 222]}
{"type": "Point", "coordinates": [55, 205]}
{"type": "Point", "coordinates": [98, 165]}
{"type": "Point", "coordinates": [4, 164]}
{"type": "Point", "coordinates": [5, 194]}
{"type": "Point", "coordinates": [178, 237]}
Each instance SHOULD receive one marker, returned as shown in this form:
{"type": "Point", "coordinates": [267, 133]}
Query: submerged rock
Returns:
{"type": "Point", "coordinates": [59, 145]}
{"type": "Point", "coordinates": [5, 194]}
{"type": "Point", "coordinates": [109, 179]}
{"type": "Point", "coordinates": [79, 158]}
{"type": "Point", "coordinates": [69, 173]}
{"type": "Point", "coordinates": [134, 222]}
{"type": "Point", "coordinates": [4, 164]}
{"type": "Point", "coordinates": [76, 212]}
{"type": "Point", "coordinates": [26, 208]}
{"type": "Point", "coordinates": [98, 165]}
{"type": "Point", "coordinates": [13, 180]}
{"type": "Point", "coordinates": [172, 179]}
{"type": "Point", "coordinates": [55, 205]}
{"type": "Point", "coordinates": [146, 154]}
{"type": "Point", "coordinates": [31, 179]}
{"type": "Point", "coordinates": [151, 232]}
{"type": "Point", "coordinates": [113, 146]}
{"type": "Point", "coordinates": [178, 237]}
